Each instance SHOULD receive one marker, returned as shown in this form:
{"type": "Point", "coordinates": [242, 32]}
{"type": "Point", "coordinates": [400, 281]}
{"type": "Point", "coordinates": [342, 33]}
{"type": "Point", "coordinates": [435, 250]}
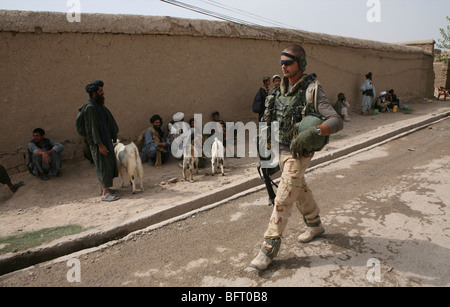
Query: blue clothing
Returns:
{"type": "Point", "coordinates": [149, 148]}
{"type": "Point", "coordinates": [37, 165]}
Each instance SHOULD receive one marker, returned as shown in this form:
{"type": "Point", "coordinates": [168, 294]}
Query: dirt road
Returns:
{"type": "Point", "coordinates": [74, 198]}
{"type": "Point", "coordinates": [386, 213]}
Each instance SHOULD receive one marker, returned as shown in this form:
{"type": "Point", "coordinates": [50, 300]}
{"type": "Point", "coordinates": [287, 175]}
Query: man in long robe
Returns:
{"type": "Point", "coordinates": [368, 92]}
{"type": "Point", "coordinates": [101, 130]}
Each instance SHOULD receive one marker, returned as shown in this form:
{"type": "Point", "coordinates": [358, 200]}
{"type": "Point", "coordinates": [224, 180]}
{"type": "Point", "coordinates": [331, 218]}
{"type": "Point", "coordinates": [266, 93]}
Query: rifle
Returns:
{"type": "Point", "coordinates": [269, 182]}
{"type": "Point", "coordinates": [267, 172]}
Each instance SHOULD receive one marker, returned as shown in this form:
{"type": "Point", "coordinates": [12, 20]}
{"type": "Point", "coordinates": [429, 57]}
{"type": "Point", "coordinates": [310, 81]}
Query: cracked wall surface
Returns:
{"type": "Point", "coordinates": [164, 65]}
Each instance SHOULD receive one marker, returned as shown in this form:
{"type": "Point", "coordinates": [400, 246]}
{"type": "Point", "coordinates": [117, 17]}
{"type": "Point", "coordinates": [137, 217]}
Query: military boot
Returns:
{"type": "Point", "coordinates": [261, 262]}
{"type": "Point", "coordinates": [268, 251]}
{"type": "Point", "coordinates": [314, 229]}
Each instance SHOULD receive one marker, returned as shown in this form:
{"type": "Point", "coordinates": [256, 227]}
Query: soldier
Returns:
{"type": "Point", "coordinates": [290, 108]}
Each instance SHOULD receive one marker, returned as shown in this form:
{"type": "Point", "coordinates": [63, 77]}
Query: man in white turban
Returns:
{"type": "Point", "coordinates": [381, 102]}
{"type": "Point", "coordinates": [174, 133]}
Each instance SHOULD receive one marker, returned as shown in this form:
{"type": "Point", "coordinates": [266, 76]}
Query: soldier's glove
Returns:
{"type": "Point", "coordinates": [304, 141]}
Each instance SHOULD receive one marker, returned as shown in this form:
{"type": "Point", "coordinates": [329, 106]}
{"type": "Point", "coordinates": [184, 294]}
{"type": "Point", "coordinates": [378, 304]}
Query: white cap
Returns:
{"type": "Point", "coordinates": [178, 116]}
{"type": "Point", "coordinates": [383, 93]}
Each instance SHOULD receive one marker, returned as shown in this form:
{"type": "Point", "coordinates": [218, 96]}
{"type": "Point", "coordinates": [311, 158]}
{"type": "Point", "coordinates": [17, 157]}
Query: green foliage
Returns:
{"type": "Point", "coordinates": [444, 43]}
{"type": "Point", "coordinates": [28, 240]}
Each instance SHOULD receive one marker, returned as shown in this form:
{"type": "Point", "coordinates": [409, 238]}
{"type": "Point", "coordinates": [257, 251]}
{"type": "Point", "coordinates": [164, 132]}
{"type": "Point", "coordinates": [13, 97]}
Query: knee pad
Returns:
{"type": "Point", "coordinates": [270, 247]}
{"type": "Point", "coordinates": [314, 222]}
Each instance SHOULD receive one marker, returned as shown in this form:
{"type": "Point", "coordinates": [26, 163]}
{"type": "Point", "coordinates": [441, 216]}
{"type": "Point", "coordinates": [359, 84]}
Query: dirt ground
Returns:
{"type": "Point", "coordinates": [74, 198]}
{"type": "Point", "coordinates": [386, 212]}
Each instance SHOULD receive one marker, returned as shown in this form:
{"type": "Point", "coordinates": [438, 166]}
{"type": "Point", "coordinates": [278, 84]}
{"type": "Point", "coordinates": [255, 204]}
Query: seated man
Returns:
{"type": "Point", "coordinates": [392, 99]}
{"type": "Point", "coordinates": [381, 103]}
{"type": "Point", "coordinates": [4, 179]}
{"type": "Point", "coordinates": [341, 106]}
{"type": "Point", "coordinates": [45, 155]}
{"type": "Point", "coordinates": [156, 146]}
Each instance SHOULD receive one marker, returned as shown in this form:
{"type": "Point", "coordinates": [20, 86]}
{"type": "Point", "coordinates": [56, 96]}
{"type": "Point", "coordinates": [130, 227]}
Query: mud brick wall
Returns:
{"type": "Point", "coordinates": [164, 65]}
{"type": "Point", "coordinates": [442, 76]}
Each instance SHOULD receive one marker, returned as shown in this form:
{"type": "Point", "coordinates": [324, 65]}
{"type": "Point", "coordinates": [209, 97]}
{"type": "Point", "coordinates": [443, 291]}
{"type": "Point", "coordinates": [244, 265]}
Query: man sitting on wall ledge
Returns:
{"type": "Point", "coordinates": [45, 155]}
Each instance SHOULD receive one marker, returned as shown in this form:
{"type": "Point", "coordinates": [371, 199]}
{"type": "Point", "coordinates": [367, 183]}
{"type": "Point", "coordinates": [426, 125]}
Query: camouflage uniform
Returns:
{"type": "Point", "coordinates": [293, 188]}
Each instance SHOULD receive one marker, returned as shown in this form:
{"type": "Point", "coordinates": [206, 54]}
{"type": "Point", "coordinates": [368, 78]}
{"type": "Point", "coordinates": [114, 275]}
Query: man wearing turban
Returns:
{"type": "Point", "coordinates": [101, 131]}
{"type": "Point", "coordinates": [156, 146]}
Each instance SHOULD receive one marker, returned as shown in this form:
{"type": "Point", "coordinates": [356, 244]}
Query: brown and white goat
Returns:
{"type": "Point", "coordinates": [190, 159]}
{"type": "Point", "coordinates": [128, 161]}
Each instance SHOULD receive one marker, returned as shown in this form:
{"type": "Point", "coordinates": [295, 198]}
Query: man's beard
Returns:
{"type": "Point", "coordinates": [159, 130]}
{"type": "Point", "coordinates": [100, 99]}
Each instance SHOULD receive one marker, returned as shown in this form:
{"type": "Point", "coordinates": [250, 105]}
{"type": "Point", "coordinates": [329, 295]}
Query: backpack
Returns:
{"type": "Point", "coordinates": [256, 106]}
{"type": "Point", "coordinates": [258, 102]}
{"type": "Point", "coordinates": [79, 121]}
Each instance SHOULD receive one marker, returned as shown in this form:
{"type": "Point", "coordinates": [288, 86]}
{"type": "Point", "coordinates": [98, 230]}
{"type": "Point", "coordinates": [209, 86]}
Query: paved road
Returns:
{"type": "Point", "coordinates": [386, 213]}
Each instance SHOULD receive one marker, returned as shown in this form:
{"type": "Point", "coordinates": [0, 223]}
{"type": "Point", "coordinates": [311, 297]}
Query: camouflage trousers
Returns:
{"type": "Point", "coordinates": [292, 189]}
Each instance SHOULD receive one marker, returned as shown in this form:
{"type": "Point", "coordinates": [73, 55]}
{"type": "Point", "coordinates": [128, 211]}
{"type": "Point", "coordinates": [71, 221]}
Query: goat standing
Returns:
{"type": "Point", "coordinates": [217, 156]}
{"type": "Point", "coordinates": [128, 160]}
{"type": "Point", "coordinates": [190, 160]}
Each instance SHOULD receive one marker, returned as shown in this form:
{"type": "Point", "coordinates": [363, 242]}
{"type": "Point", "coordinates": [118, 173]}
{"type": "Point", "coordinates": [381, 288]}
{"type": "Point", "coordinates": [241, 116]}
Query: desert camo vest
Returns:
{"type": "Point", "coordinates": [289, 109]}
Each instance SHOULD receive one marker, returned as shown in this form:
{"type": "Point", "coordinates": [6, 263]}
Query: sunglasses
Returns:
{"type": "Point", "coordinates": [286, 62]}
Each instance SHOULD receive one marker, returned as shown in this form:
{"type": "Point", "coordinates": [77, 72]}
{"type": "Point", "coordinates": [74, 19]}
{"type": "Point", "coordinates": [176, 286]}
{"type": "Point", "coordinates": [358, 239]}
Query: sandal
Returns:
{"type": "Point", "coordinates": [111, 191]}
{"type": "Point", "coordinates": [110, 197]}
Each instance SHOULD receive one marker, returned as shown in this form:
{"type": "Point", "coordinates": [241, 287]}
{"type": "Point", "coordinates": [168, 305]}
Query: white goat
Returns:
{"type": "Point", "coordinates": [128, 160]}
{"type": "Point", "coordinates": [190, 159]}
{"type": "Point", "coordinates": [217, 156]}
